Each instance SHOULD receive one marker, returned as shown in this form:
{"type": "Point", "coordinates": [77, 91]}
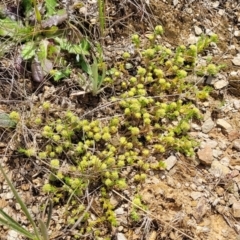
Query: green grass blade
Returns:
{"type": "Point", "coordinates": [19, 200]}
{"type": "Point", "coordinates": [43, 229]}
{"type": "Point", "coordinates": [94, 76]}
{"type": "Point", "coordinates": [50, 208]}
{"type": "Point", "coordinates": [16, 227]}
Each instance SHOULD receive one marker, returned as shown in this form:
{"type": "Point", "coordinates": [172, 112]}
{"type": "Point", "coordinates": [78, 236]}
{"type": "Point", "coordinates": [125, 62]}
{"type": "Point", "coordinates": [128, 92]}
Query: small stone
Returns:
{"type": "Point", "coordinates": [192, 39]}
{"type": "Point", "coordinates": [236, 33]}
{"type": "Point", "coordinates": [220, 191]}
{"type": "Point", "coordinates": [121, 236]}
{"type": "Point", "coordinates": [220, 84]}
{"type": "Point", "coordinates": [218, 169]}
{"type": "Point", "coordinates": [8, 195]}
{"type": "Point", "coordinates": [114, 202]}
{"type": "Point", "coordinates": [233, 134]}
{"type": "Point", "coordinates": [217, 153]}
{"type": "Point", "coordinates": [120, 228]}
{"type": "Point", "coordinates": [236, 61]}
{"type": "Point", "coordinates": [193, 186]}
{"type": "Point", "coordinates": [234, 173]}
{"type": "Point", "coordinates": [211, 143]}
{"type": "Point", "coordinates": [170, 162]}
{"type": "Point", "coordinates": [236, 144]}
{"type": "Point", "coordinates": [216, 201]}
{"type": "Point", "coordinates": [175, 3]}
{"type": "Point", "coordinates": [195, 195]}
{"type": "Point", "coordinates": [236, 209]}
{"type": "Point", "coordinates": [200, 188]}
{"type": "Point", "coordinates": [195, 126]}
{"type": "Point", "coordinates": [224, 124]}
{"type": "Point", "coordinates": [198, 30]}
{"type": "Point", "coordinates": [222, 144]}
{"type": "Point", "coordinates": [236, 104]}
{"type": "Point", "coordinates": [225, 161]}
{"type": "Point", "coordinates": [234, 74]}
{"type": "Point", "coordinates": [119, 211]}
{"type": "Point", "coordinates": [12, 235]}
{"type": "Point", "coordinates": [208, 125]}
{"type": "Point", "coordinates": [35, 209]}
{"type": "Point", "coordinates": [215, 4]}
{"type": "Point", "coordinates": [205, 155]}
{"type": "Point", "coordinates": [200, 210]}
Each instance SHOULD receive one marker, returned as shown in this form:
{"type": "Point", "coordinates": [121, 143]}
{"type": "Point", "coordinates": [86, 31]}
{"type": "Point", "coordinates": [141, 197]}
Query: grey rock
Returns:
{"type": "Point", "coordinates": [224, 124]}
{"type": "Point", "coordinates": [192, 39]}
{"type": "Point", "coordinates": [222, 144]}
{"type": "Point", "coordinates": [236, 144]}
{"type": "Point", "coordinates": [205, 155]}
{"type": "Point", "coordinates": [119, 211]}
{"type": "Point", "coordinates": [225, 161]}
{"type": "Point", "coordinates": [195, 195]}
{"type": "Point", "coordinates": [208, 125]}
{"type": "Point", "coordinates": [218, 169]}
{"type": "Point", "coordinates": [236, 61]}
{"type": "Point", "coordinates": [121, 236]}
{"type": "Point", "coordinates": [236, 104]}
{"type": "Point", "coordinates": [220, 84]}
{"type": "Point", "coordinates": [193, 186]}
{"type": "Point", "coordinates": [12, 235]}
{"type": "Point", "coordinates": [212, 143]}
{"type": "Point", "coordinates": [175, 3]}
{"type": "Point", "coordinates": [236, 209]}
{"type": "Point", "coordinates": [170, 162]}
{"type": "Point", "coordinates": [215, 4]}
{"type": "Point", "coordinates": [198, 30]}
{"type": "Point", "coordinates": [236, 33]}
{"type": "Point", "coordinates": [217, 153]}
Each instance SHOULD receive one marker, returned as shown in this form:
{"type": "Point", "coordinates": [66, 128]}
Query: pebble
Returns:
{"type": "Point", "coordinates": [236, 209]}
{"type": "Point", "coordinates": [236, 144]}
{"type": "Point", "coordinates": [12, 235]}
{"type": "Point", "coordinates": [222, 144]}
{"type": "Point", "coordinates": [198, 30]}
{"type": "Point", "coordinates": [121, 236]}
{"type": "Point", "coordinates": [212, 143]}
{"type": "Point", "coordinates": [175, 3]}
{"type": "Point", "coordinates": [217, 153]}
{"type": "Point", "coordinates": [8, 195]}
{"type": "Point", "coordinates": [119, 211]}
{"type": "Point", "coordinates": [208, 125]}
{"type": "Point", "coordinates": [220, 84]}
{"type": "Point", "coordinates": [205, 155]}
{"type": "Point", "coordinates": [193, 186]}
{"type": "Point", "coordinates": [195, 195]}
{"type": "Point", "coordinates": [192, 39]}
{"type": "Point", "coordinates": [225, 161]}
{"type": "Point", "coordinates": [170, 162]}
{"type": "Point", "coordinates": [215, 4]}
{"type": "Point", "coordinates": [200, 188]}
{"type": "Point", "coordinates": [224, 124]}
{"type": "Point", "coordinates": [236, 104]}
{"type": "Point", "coordinates": [236, 33]}
{"type": "Point", "coordinates": [216, 201]}
{"type": "Point", "coordinates": [217, 169]}
{"type": "Point", "coordinates": [233, 135]}
{"type": "Point", "coordinates": [236, 61]}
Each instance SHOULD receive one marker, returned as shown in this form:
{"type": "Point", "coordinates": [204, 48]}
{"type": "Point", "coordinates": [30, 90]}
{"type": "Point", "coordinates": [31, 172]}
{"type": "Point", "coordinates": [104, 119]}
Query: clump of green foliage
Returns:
{"type": "Point", "coordinates": [154, 117]}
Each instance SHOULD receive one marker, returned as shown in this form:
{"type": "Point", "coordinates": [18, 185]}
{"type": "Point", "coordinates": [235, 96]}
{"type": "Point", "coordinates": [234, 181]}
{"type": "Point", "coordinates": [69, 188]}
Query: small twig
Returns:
{"type": "Point", "coordinates": [81, 217]}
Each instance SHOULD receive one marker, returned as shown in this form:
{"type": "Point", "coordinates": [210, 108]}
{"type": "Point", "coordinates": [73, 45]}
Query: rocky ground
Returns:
{"type": "Point", "coordinates": [194, 198]}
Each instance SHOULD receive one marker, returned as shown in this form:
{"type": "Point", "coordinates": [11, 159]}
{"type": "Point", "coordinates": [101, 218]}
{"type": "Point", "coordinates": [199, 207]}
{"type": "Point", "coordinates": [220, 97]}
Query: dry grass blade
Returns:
{"type": "Point", "coordinates": [152, 215]}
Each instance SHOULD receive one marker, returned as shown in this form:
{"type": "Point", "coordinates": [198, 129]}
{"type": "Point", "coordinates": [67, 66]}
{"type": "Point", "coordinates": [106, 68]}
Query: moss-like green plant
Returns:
{"type": "Point", "coordinates": [154, 118]}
